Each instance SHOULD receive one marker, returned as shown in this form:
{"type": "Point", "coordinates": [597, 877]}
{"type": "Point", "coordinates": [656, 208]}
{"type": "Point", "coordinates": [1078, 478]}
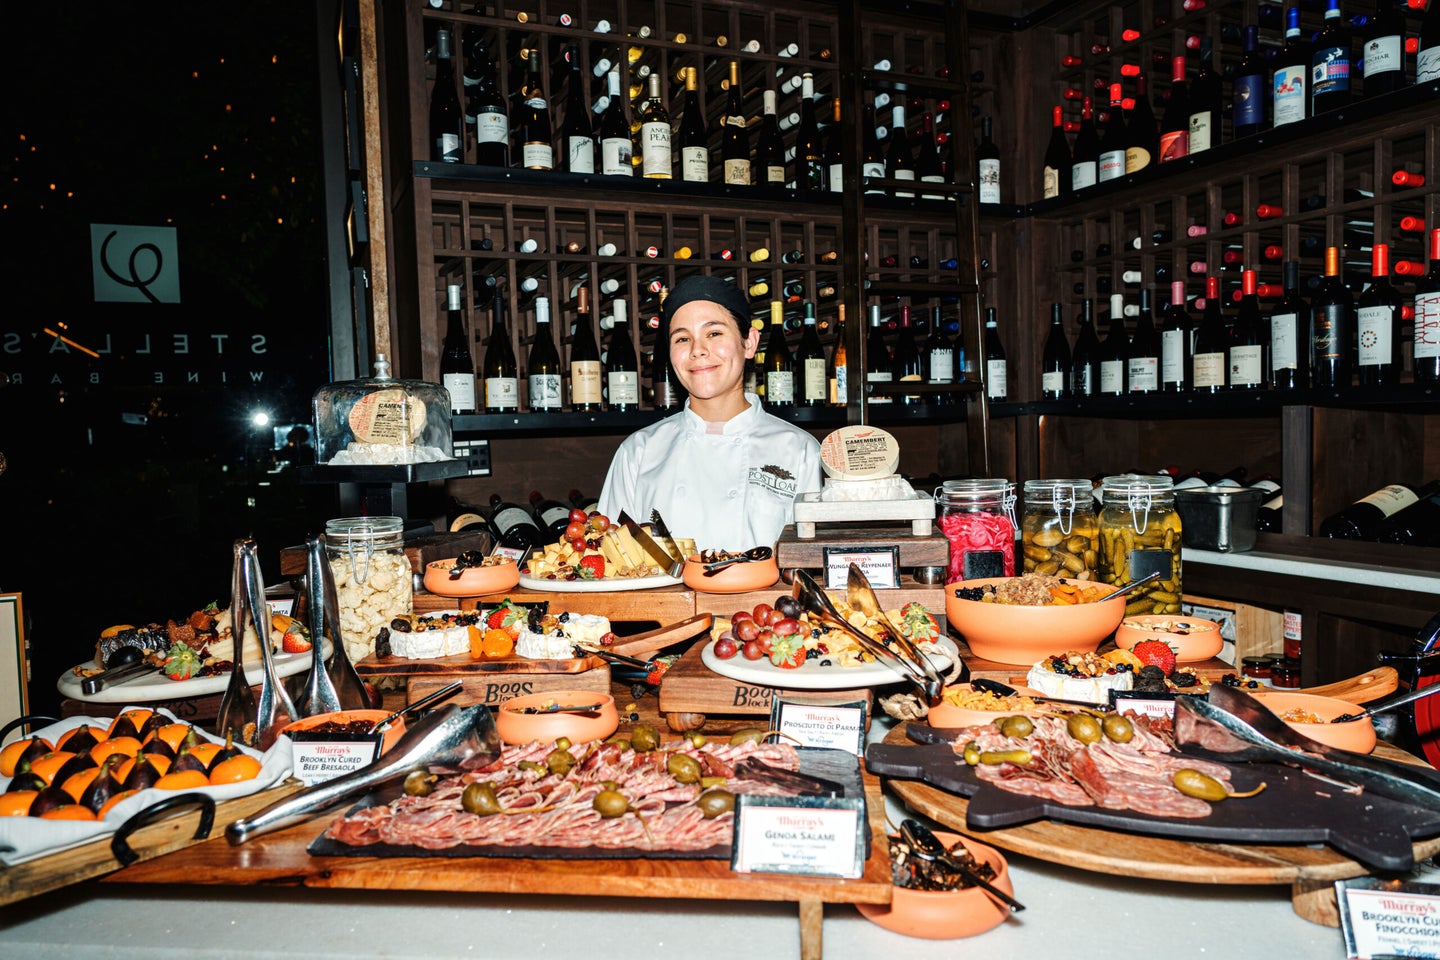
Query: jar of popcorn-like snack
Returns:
{"type": "Point", "coordinates": [373, 582]}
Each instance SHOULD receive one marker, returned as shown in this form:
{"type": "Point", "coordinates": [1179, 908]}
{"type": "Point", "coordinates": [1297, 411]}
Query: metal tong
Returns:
{"type": "Point", "coordinates": [239, 708]}
{"type": "Point", "coordinates": [339, 687]}
{"type": "Point", "coordinates": [927, 846]}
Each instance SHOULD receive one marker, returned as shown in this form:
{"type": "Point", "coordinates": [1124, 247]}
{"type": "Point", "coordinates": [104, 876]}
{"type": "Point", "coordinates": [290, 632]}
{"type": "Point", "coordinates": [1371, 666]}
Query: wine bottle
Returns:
{"type": "Point", "coordinates": [987, 158]}
{"type": "Point", "coordinates": [1330, 328]}
{"type": "Point", "coordinates": [1362, 519]}
{"type": "Point", "coordinates": [1205, 103]}
{"type": "Point", "coordinates": [622, 371]}
{"type": "Point", "coordinates": [1382, 45]}
{"type": "Point", "coordinates": [1054, 176]}
{"type": "Point", "coordinates": [656, 160]}
{"type": "Point", "coordinates": [502, 383]}
{"type": "Point", "coordinates": [937, 352]}
{"type": "Point", "coordinates": [834, 151]}
{"type": "Point", "coordinates": [1291, 79]}
{"type": "Point", "coordinates": [1427, 61]}
{"type": "Point", "coordinates": [1427, 314]}
{"type": "Point", "coordinates": [778, 366]}
{"type": "Point", "coordinates": [1112, 144]}
{"type": "Point", "coordinates": [543, 366]}
{"type": "Point", "coordinates": [457, 369]}
{"type": "Point", "coordinates": [839, 363]}
{"type": "Point", "coordinates": [1330, 63]}
{"type": "Point", "coordinates": [532, 127]}
{"type": "Point", "coordinates": [908, 363]}
{"type": "Point", "coordinates": [585, 378]}
{"type": "Point", "coordinates": [694, 146]}
{"type": "Point", "coordinates": [1143, 368]}
{"type": "Point", "coordinates": [1377, 325]}
{"type": "Point", "coordinates": [735, 139]}
{"type": "Point", "coordinates": [1084, 169]}
{"type": "Point", "coordinates": [447, 122]}
{"type": "Point", "coordinates": [997, 387]}
{"type": "Point", "coordinates": [615, 143]}
{"type": "Point", "coordinates": [1289, 325]}
{"type": "Point", "coordinates": [669, 392]}
{"type": "Point", "coordinates": [576, 132]}
{"type": "Point", "coordinates": [899, 161]}
{"type": "Point", "coordinates": [1268, 516]}
{"type": "Point", "coordinates": [1175, 122]}
{"type": "Point", "coordinates": [811, 175]}
{"type": "Point", "coordinates": [1114, 351]}
{"type": "Point", "coordinates": [809, 365]}
{"type": "Point", "coordinates": [878, 362]}
{"type": "Point", "coordinates": [1085, 361]}
{"type": "Point", "coordinates": [1247, 339]}
{"type": "Point", "coordinates": [770, 148]}
{"type": "Point", "coordinates": [513, 526]}
{"type": "Point", "coordinates": [872, 166]}
{"type": "Point", "coordinates": [929, 168]}
{"type": "Point", "coordinates": [489, 114]}
{"type": "Point", "coordinates": [1142, 144]}
{"type": "Point", "coordinates": [552, 515]}
{"type": "Point", "coordinates": [1417, 525]}
{"type": "Point", "coordinates": [1209, 362]}
{"type": "Point", "coordinates": [1249, 87]}
{"type": "Point", "coordinates": [1176, 356]}
{"type": "Point", "coordinates": [1055, 361]}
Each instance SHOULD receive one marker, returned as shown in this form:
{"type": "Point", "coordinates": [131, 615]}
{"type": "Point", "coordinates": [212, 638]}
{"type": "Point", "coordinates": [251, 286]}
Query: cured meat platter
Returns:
{"type": "Point", "coordinates": [1293, 808]}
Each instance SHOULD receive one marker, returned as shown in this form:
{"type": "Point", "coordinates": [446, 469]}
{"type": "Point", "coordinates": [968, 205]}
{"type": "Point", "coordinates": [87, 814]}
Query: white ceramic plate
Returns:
{"type": "Point", "coordinates": [596, 586]}
{"type": "Point", "coordinates": [153, 687]}
{"type": "Point", "coordinates": [812, 676]}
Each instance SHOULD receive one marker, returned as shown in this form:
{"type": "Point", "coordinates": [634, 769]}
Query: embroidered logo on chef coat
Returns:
{"type": "Point", "coordinates": [776, 481]}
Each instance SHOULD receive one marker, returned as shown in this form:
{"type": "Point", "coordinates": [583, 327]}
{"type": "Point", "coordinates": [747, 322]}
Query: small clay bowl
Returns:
{"type": "Point", "coordinates": [1191, 638]}
{"type": "Point", "coordinates": [950, 914]}
{"type": "Point", "coordinates": [736, 578]}
{"type": "Point", "coordinates": [1357, 736]}
{"type": "Point", "coordinates": [473, 581]}
{"type": "Point", "coordinates": [392, 733]}
{"type": "Point", "coordinates": [947, 716]}
{"type": "Point", "coordinates": [516, 727]}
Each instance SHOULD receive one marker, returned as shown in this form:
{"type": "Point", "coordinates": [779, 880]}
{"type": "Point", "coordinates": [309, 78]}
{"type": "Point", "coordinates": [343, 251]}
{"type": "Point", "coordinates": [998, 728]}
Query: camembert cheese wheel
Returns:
{"type": "Point", "coordinates": [859, 453]}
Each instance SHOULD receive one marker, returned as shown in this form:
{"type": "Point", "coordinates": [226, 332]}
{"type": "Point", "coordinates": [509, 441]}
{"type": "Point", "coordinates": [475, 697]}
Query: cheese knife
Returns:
{"type": "Point", "coordinates": [659, 554]}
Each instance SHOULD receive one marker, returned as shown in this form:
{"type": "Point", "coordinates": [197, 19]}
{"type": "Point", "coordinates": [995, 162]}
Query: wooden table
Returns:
{"type": "Point", "coordinates": [656, 605]}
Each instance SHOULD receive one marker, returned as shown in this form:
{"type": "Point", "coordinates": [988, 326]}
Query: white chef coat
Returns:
{"type": "Point", "coordinates": [729, 490]}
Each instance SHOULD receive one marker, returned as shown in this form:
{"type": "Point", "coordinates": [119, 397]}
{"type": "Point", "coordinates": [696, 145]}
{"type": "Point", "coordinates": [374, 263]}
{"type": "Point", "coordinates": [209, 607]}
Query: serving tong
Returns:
{"type": "Point", "coordinates": [273, 708]}
{"type": "Point", "coordinates": [337, 687]}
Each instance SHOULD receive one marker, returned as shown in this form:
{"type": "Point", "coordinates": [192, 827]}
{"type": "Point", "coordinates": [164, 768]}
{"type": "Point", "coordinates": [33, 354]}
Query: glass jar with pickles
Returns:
{"type": "Point", "coordinates": [1059, 531]}
{"type": "Point", "coordinates": [1140, 535]}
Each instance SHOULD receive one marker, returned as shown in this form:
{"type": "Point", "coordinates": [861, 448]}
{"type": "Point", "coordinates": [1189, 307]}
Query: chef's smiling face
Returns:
{"type": "Point", "coordinates": [707, 351]}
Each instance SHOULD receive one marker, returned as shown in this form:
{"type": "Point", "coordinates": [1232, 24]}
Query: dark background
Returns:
{"type": "Point", "coordinates": [128, 476]}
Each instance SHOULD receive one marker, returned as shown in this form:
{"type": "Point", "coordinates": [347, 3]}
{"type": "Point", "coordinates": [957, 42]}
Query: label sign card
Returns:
{"type": "Point", "coordinates": [881, 566]}
{"type": "Point", "coordinates": [1381, 918]}
{"type": "Point", "coordinates": [815, 836]}
{"type": "Point", "coordinates": [838, 726]}
{"type": "Point", "coordinates": [325, 756]}
{"type": "Point", "coordinates": [1160, 705]}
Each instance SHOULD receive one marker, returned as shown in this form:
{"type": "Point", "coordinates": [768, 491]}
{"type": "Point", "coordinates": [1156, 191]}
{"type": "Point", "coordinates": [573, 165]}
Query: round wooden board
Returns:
{"type": "Point", "coordinates": [1136, 855]}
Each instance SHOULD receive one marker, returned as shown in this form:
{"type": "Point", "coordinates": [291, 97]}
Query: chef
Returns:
{"type": "Point", "coordinates": [722, 470]}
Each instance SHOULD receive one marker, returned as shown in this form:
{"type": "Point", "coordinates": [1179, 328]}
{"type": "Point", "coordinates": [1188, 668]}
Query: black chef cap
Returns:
{"type": "Point", "coordinates": [714, 289]}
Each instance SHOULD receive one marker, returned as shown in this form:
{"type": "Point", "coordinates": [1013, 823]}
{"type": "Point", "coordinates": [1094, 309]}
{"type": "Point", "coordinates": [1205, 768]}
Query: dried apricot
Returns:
{"type": "Point", "coordinates": [16, 803]}
{"type": "Point", "coordinates": [70, 811]}
{"type": "Point", "coordinates": [184, 780]}
{"type": "Point", "coordinates": [129, 746]}
{"type": "Point", "coordinates": [234, 770]}
{"type": "Point", "coordinates": [497, 643]}
{"type": "Point", "coordinates": [10, 756]}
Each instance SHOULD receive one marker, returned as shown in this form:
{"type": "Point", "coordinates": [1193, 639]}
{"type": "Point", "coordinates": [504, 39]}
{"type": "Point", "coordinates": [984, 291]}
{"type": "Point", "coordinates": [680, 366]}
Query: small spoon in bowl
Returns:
{"type": "Point", "coordinates": [1419, 693]}
{"type": "Point", "coordinates": [1130, 586]}
{"type": "Point", "coordinates": [754, 553]}
{"type": "Point", "coordinates": [438, 695]}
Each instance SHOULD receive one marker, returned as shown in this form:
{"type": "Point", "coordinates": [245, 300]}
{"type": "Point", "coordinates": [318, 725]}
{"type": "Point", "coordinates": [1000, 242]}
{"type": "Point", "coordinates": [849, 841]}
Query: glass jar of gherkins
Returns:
{"type": "Point", "coordinates": [1059, 532]}
{"type": "Point", "coordinates": [1140, 535]}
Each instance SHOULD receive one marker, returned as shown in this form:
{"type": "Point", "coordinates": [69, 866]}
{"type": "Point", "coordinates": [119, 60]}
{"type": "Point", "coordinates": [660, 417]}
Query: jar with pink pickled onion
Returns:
{"type": "Point", "coordinates": [978, 518]}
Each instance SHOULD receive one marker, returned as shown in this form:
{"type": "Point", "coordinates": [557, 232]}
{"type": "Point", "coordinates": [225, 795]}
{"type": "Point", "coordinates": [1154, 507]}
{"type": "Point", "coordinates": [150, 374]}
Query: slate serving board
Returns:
{"type": "Point", "coordinates": [1293, 808]}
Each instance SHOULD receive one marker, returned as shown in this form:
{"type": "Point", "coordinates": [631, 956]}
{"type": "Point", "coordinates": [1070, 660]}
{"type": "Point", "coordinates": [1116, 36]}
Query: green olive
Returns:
{"type": "Point", "coordinates": [532, 765]}
{"type": "Point", "coordinates": [1018, 727]}
{"type": "Point", "coordinates": [610, 804]}
{"type": "Point", "coordinates": [419, 783]}
{"type": "Point", "coordinates": [684, 768]}
{"type": "Point", "coordinates": [1084, 727]}
{"type": "Point", "coordinates": [971, 753]}
{"type": "Point", "coordinates": [1193, 783]}
{"type": "Point", "coordinates": [1021, 758]}
{"type": "Point", "coordinates": [559, 761]}
{"type": "Point", "coordinates": [712, 803]}
{"type": "Point", "coordinates": [644, 738]}
{"type": "Point", "coordinates": [748, 735]}
{"type": "Point", "coordinates": [621, 742]}
{"type": "Point", "coordinates": [562, 743]}
{"type": "Point", "coordinates": [696, 738]}
{"type": "Point", "coordinates": [707, 782]}
{"type": "Point", "coordinates": [1119, 728]}
{"type": "Point", "coordinates": [480, 799]}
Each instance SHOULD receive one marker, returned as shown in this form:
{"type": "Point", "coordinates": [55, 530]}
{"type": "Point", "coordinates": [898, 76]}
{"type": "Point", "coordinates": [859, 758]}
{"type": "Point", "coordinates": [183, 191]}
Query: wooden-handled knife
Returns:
{"type": "Point", "coordinates": [652, 641]}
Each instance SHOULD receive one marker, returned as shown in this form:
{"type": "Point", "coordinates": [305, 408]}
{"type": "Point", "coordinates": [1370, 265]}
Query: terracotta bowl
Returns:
{"type": "Point", "coordinates": [1357, 736]}
{"type": "Point", "coordinates": [947, 716]}
{"type": "Point", "coordinates": [947, 915]}
{"type": "Point", "coordinates": [395, 731]}
{"type": "Point", "coordinates": [736, 578]}
{"type": "Point", "coordinates": [1191, 638]}
{"type": "Point", "coordinates": [517, 727]}
{"type": "Point", "coordinates": [473, 581]}
{"type": "Point", "coordinates": [1007, 633]}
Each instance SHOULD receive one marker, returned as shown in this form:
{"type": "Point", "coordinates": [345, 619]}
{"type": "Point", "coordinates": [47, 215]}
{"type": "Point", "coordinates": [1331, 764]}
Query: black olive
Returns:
{"type": "Point", "coordinates": [400, 625]}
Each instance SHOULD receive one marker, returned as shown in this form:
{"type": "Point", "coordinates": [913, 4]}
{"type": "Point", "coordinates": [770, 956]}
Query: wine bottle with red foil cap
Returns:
{"type": "Point", "coordinates": [1377, 325]}
{"type": "Point", "coordinates": [1112, 146]}
{"type": "Point", "coordinates": [1210, 353]}
{"type": "Point", "coordinates": [1084, 169]}
{"type": "Point", "coordinates": [1175, 123]}
{"type": "Point", "coordinates": [1176, 358]}
{"type": "Point", "coordinates": [1247, 339]}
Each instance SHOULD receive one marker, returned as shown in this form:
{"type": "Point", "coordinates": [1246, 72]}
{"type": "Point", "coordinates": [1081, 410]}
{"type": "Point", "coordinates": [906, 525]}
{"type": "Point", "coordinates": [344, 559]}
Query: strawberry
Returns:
{"type": "Point", "coordinates": [919, 623]}
{"type": "Point", "coordinates": [788, 652]}
{"type": "Point", "coordinates": [592, 567]}
{"type": "Point", "coordinates": [1155, 653]}
{"type": "Point", "coordinates": [181, 663]}
{"type": "Point", "coordinates": [507, 616]}
{"type": "Point", "coordinates": [295, 639]}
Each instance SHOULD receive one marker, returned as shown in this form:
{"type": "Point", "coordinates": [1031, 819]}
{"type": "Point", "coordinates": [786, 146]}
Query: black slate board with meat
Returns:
{"type": "Point", "coordinates": [835, 769]}
{"type": "Point", "coordinates": [1293, 808]}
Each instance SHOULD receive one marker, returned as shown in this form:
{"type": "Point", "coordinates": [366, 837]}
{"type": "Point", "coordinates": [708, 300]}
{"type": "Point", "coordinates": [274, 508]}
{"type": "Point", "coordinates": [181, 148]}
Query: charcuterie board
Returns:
{"type": "Point", "coordinates": [1294, 807]}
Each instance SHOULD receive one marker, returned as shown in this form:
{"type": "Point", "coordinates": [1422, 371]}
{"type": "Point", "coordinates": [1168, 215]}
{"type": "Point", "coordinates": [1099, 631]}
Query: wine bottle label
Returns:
{"type": "Point", "coordinates": [780, 386]}
{"type": "Point", "coordinates": [624, 387]}
{"type": "Point", "coordinates": [695, 164]}
{"type": "Point", "coordinates": [836, 177]}
{"type": "Point", "coordinates": [1172, 357]}
{"type": "Point", "coordinates": [461, 387]}
{"type": "Point", "coordinates": [1209, 370]}
{"type": "Point", "coordinates": [584, 382]}
{"type": "Point", "coordinates": [1267, 487]}
{"type": "Point", "coordinates": [615, 157]}
{"type": "Point", "coordinates": [1427, 325]}
{"type": "Point", "coordinates": [1330, 71]}
{"type": "Point", "coordinates": [1082, 380]}
{"type": "Point", "coordinates": [537, 156]}
{"type": "Point", "coordinates": [1112, 376]}
{"type": "Point", "coordinates": [1136, 158]}
{"type": "Point", "coordinates": [879, 376]}
{"type": "Point", "coordinates": [545, 391]}
{"type": "Point", "coordinates": [509, 518]}
{"type": "Point", "coordinates": [840, 385]}
{"type": "Point", "coordinates": [492, 127]}
{"type": "Point", "coordinates": [989, 180]}
{"type": "Point", "coordinates": [1290, 94]}
{"type": "Point", "coordinates": [1245, 366]}
{"type": "Point", "coordinates": [1200, 131]}
{"type": "Point", "coordinates": [1111, 166]}
{"type": "Point", "coordinates": [995, 386]}
{"type": "Point", "coordinates": [775, 174]}
{"type": "Point", "coordinates": [502, 393]}
{"type": "Point", "coordinates": [1284, 342]}
{"type": "Point", "coordinates": [1082, 175]}
{"type": "Point", "coordinates": [814, 376]}
{"type": "Point", "coordinates": [1384, 55]}
{"type": "Point", "coordinates": [1427, 64]}
{"type": "Point", "coordinates": [1144, 373]}
{"type": "Point", "coordinates": [1174, 145]}
{"type": "Point", "coordinates": [448, 147]}
{"type": "Point", "coordinates": [581, 151]}
{"type": "Point", "coordinates": [873, 168]}
{"type": "Point", "coordinates": [554, 515]}
{"type": "Point", "coordinates": [1250, 99]}
{"type": "Point", "coordinates": [1373, 330]}
{"type": "Point", "coordinates": [942, 365]}
{"type": "Point", "coordinates": [737, 172]}
{"type": "Point", "coordinates": [655, 150]}
{"type": "Point", "coordinates": [1050, 183]}
{"type": "Point", "coordinates": [1390, 500]}
{"type": "Point", "coordinates": [1327, 336]}
{"type": "Point", "coordinates": [1053, 382]}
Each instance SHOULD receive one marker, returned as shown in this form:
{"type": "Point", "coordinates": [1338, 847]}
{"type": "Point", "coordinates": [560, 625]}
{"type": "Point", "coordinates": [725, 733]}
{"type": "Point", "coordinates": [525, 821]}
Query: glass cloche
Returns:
{"type": "Point", "coordinates": [382, 420]}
